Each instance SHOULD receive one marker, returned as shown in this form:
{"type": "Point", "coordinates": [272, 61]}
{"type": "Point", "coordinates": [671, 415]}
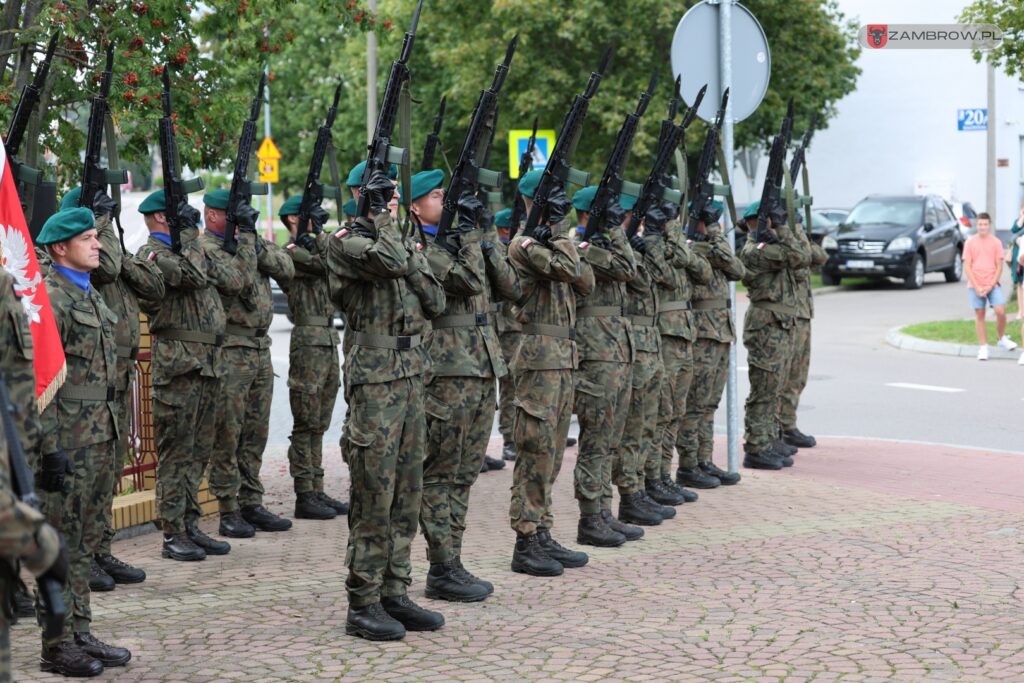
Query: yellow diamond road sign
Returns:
{"type": "Point", "coordinates": [519, 140]}
{"type": "Point", "coordinates": [268, 150]}
{"type": "Point", "coordinates": [268, 170]}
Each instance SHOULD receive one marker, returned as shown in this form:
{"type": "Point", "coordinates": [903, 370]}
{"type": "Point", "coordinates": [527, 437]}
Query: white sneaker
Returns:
{"type": "Point", "coordinates": [1021, 361]}
{"type": "Point", "coordinates": [1006, 343]}
{"type": "Point", "coordinates": [983, 352]}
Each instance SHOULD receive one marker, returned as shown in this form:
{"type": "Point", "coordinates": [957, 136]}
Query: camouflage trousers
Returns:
{"type": "Point", "coordinates": [185, 423]}
{"type": "Point", "coordinates": [243, 424]}
{"type": "Point", "coordinates": [460, 412]}
{"type": "Point", "coordinates": [5, 652]}
{"type": "Point", "coordinates": [696, 439]}
{"type": "Point", "coordinates": [384, 441]}
{"type": "Point", "coordinates": [677, 357]}
{"type": "Point", "coordinates": [506, 388]}
{"type": "Point", "coordinates": [769, 345]}
{"type": "Point", "coordinates": [796, 374]}
{"type": "Point", "coordinates": [637, 452]}
{"type": "Point", "coordinates": [601, 404]}
{"type": "Point", "coordinates": [76, 512]}
{"type": "Point", "coordinates": [543, 411]}
{"type": "Point", "coordinates": [124, 401]}
{"type": "Point", "coordinates": [313, 381]}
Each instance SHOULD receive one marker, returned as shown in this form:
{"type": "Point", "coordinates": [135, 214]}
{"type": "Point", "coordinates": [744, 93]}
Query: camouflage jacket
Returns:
{"type": "Point", "coordinates": [248, 311]}
{"type": "Point", "coordinates": [309, 296]}
{"type": "Point", "coordinates": [600, 334]}
{"type": "Point", "coordinates": [121, 280]}
{"type": "Point", "coordinates": [84, 412]}
{"type": "Point", "coordinates": [549, 275]}
{"type": "Point", "coordinates": [16, 364]}
{"type": "Point", "coordinates": [771, 278]}
{"type": "Point", "coordinates": [674, 318]}
{"type": "Point", "coordinates": [805, 297]}
{"type": "Point", "coordinates": [711, 314]}
{"type": "Point", "coordinates": [503, 299]}
{"type": "Point", "coordinates": [389, 295]}
{"type": "Point", "coordinates": [24, 533]}
{"type": "Point", "coordinates": [652, 271]}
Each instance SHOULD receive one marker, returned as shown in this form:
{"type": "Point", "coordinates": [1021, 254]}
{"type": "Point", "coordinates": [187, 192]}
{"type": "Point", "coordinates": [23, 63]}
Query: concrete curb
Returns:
{"type": "Point", "coordinates": [904, 342]}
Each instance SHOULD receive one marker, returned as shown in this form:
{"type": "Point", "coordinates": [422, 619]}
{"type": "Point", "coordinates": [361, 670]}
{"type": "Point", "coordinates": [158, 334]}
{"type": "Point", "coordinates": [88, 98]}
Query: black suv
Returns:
{"type": "Point", "coordinates": [895, 236]}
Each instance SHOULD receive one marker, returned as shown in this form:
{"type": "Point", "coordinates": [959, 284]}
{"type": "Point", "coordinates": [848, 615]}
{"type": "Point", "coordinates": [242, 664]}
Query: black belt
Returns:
{"type": "Point", "coordinates": [462, 320]}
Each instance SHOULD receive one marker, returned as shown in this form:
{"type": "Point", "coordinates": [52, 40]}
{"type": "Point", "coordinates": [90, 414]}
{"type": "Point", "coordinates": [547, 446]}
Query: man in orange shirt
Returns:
{"type": "Point", "coordinates": [983, 264]}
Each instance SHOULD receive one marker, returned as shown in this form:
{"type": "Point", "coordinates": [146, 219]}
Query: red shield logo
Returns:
{"type": "Point", "coordinates": [878, 35]}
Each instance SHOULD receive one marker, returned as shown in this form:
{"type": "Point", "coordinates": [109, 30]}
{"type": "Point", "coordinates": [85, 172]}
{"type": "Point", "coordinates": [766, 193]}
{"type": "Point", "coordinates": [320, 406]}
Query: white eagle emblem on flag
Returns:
{"type": "Point", "coordinates": [14, 257]}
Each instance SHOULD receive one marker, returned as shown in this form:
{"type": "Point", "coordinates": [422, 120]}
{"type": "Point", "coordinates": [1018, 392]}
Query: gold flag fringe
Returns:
{"type": "Point", "coordinates": [51, 391]}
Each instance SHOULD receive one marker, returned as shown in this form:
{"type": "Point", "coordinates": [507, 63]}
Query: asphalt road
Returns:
{"type": "Point", "coordinates": [956, 401]}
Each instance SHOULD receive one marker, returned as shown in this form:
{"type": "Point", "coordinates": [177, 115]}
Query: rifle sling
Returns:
{"type": "Point", "coordinates": [332, 164]}
{"type": "Point", "coordinates": [807, 197]}
{"type": "Point", "coordinates": [115, 189]}
{"type": "Point", "coordinates": [405, 136]}
{"type": "Point", "coordinates": [790, 200]}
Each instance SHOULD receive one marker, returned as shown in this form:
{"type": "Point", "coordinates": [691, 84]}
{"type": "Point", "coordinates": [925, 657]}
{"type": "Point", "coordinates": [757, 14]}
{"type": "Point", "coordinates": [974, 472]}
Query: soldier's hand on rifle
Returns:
{"type": "Point", "coordinates": [103, 205]}
{"type": "Point", "coordinates": [380, 190]}
{"type": "Point", "coordinates": [599, 240]}
{"type": "Point", "coordinates": [307, 242]}
{"type": "Point", "coordinates": [469, 208]}
{"type": "Point", "coordinates": [487, 247]}
{"type": "Point", "coordinates": [671, 210]}
{"type": "Point", "coordinates": [558, 207]}
{"type": "Point", "coordinates": [52, 471]}
{"type": "Point", "coordinates": [638, 244]}
{"type": "Point", "coordinates": [614, 214]}
{"type": "Point", "coordinates": [187, 215]}
{"type": "Point", "coordinates": [486, 219]}
{"type": "Point", "coordinates": [655, 220]}
{"type": "Point", "coordinates": [542, 234]}
{"type": "Point", "coordinates": [246, 217]}
{"type": "Point", "coordinates": [318, 218]}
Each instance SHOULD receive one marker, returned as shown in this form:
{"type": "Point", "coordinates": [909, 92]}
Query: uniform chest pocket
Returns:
{"type": "Point", "coordinates": [22, 333]}
{"type": "Point", "coordinates": [85, 334]}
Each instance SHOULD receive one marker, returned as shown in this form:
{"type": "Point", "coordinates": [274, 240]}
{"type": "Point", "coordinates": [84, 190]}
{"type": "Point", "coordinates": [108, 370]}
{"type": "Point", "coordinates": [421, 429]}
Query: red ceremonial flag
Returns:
{"type": "Point", "coordinates": [18, 257]}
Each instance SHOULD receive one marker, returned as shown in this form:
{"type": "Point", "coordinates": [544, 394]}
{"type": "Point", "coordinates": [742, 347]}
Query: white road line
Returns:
{"type": "Point", "coordinates": [925, 387]}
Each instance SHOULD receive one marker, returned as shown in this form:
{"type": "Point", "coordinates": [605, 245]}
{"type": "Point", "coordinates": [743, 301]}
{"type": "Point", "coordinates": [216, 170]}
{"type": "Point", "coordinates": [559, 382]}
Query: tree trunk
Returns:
{"type": "Point", "coordinates": [11, 24]}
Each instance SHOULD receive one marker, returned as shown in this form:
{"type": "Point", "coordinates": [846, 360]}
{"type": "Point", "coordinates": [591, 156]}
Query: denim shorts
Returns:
{"type": "Point", "coordinates": [994, 298]}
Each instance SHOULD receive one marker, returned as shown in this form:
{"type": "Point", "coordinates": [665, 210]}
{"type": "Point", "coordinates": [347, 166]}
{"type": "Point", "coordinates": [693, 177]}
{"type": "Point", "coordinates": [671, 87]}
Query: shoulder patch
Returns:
{"type": "Point", "coordinates": [527, 242]}
{"type": "Point", "coordinates": [341, 233]}
{"type": "Point", "coordinates": [761, 245]}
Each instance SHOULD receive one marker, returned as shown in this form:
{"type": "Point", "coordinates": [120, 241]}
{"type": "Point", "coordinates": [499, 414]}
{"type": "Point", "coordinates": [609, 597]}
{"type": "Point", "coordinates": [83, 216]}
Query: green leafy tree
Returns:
{"type": "Point", "coordinates": [1008, 15]}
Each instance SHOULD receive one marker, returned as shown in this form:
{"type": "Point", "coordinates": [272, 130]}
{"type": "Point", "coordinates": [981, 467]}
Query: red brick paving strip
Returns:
{"type": "Point", "coordinates": [868, 561]}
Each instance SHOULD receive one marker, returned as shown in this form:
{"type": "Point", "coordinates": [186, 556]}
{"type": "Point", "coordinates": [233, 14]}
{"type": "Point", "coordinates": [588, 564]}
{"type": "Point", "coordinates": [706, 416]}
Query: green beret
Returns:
{"type": "Point", "coordinates": [350, 208]}
{"type": "Point", "coordinates": [217, 199]}
{"type": "Point", "coordinates": [65, 224]}
{"type": "Point", "coordinates": [71, 199]}
{"type": "Point", "coordinates": [503, 219]}
{"type": "Point", "coordinates": [155, 202]}
{"type": "Point", "coordinates": [752, 209]}
{"type": "Point", "coordinates": [290, 206]}
{"type": "Point", "coordinates": [627, 201]}
{"type": "Point", "coordinates": [529, 182]}
{"type": "Point", "coordinates": [355, 176]}
{"type": "Point", "coordinates": [584, 197]}
{"type": "Point", "coordinates": [425, 181]}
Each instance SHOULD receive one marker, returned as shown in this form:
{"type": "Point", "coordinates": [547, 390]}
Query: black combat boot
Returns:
{"type": "Point", "coordinates": [211, 546]}
{"type": "Point", "coordinates": [660, 493]}
{"type": "Point", "coordinates": [265, 520]}
{"type": "Point", "coordinates": [99, 580]}
{"type": "Point", "coordinates": [446, 582]}
{"type": "Point", "coordinates": [107, 655]}
{"type": "Point", "coordinates": [632, 533]}
{"type": "Point", "coordinates": [592, 530]}
{"type": "Point", "coordinates": [25, 606]}
{"type": "Point", "coordinates": [120, 572]}
{"type": "Point", "coordinates": [696, 478]}
{"type": "Point", "coordinates": [529, 557]}
{"type": "Point", "coordinates": [633, 511]}
{"type": "Point", "coordinates": [665, 511]}
{"type": "Point", "coordinates": [727, 478]}
{"type": "Point", "coordinates": [570, 442]}
{"type": "Point", "coordinates": [180, 547]}
{"type": "Point", "coordinates": [68, 659]}
{"type": "Point", "coordinates": [469, 576]}
{"type": "Point", "coordinates": [783, 448]}
{"type": "Point", "coordinates": [794, 437]}
{"type": "Point", "coordinates": [410, 615]}
{"type": "Point", "coordinates": [233, 526]}
{"type": "Point", "coordinates": [688, 495]}
{"type": "Point", "coordinates": [494, 463]}
{"type": "Point", "coordinates": [338, 506]}
{"type": "Point", "coordinates": [508, 451]}
{"type": "Point", "coordinates": [309, 506]}
{"type": "Point", "coordinates": [570, 559]}
{"type": "Point", "coordinates": [766, 460]}
{"type": "Point", "coordinates": [373, 623]}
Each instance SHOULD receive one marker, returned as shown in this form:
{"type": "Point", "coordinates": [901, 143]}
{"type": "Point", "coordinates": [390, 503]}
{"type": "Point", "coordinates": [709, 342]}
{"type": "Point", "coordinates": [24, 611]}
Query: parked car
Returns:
{"type": "Point", "coordinates": [821, 225]}
{"type": "Point", "coordinates": [835, 215]}
{"type": "Point", "coordinates": [896, 236]}
{"type": "Point", "coordinates": [966, 216]}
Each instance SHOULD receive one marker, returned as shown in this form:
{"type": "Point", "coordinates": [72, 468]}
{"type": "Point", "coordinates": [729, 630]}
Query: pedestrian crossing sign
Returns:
{"type": "Point", "coordinates": [519, 140]}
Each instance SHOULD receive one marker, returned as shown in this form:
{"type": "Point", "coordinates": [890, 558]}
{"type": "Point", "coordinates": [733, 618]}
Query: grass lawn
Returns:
{"type": "Point", "coordinates": [962, 331]}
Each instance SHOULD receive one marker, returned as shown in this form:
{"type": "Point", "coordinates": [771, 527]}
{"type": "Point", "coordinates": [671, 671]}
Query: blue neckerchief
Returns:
{"type": "Point", "coordinates": [503, 240]}
{"type": "Point", "coordinates": [162, 236]}
{"type": "Point", "coordinates": [430, 230]}
{"type": "Point", "coordinates": [581, 229]}
{"type": "Point", "coordinates": [215, 233]}
{"type": "Point", "coordinates": [77, 277]}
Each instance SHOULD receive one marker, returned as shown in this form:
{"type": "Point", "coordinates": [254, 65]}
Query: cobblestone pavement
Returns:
{"type": "Point", "coordinates": [868, 561]}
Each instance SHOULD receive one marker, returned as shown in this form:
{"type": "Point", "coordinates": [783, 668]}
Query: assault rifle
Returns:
{"type": "Point", "coordinates": [176, 190]}
{"type": "Point", "coordinates": [22, 174]}
{"type": "Point", "coordinates": [525, 164]}
{"type": "Point", "coordinates": [797, 162]}
{"type": "Point", "coordinates": [434, 139]}
{"type": "Point", "coordinates": [381, 152]}
{"type": "Point", "coordinates": [313, 189]}
{"type": "Point", "coordinates": [50, 595]}
{"type": "Point", "coordinates": [771, 193]}
{"type": "Point", "coordinates": [703, 188]}
{"type": "Point", "coordinates": [558, 172]}
{"type": "Point", "coordinates": [241, 188]}
{"type": "Point", "coordinates": [469, 173]}
{"type": "Point", "coordinates": [610, 187]}
{"type": "Point", "coordinates": [657, 186]}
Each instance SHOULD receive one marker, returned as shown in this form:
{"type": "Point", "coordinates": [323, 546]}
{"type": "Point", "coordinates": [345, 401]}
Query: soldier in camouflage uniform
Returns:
{"type": "Point", "coordinates": [120, 279]}
{"type": "Point", "coordinates": [79, 429]}
{"type": "Point", "coordinates": [385, 287]}
{"type": "Point", "coordinates": [715, 335]}
{"type": "Point", "coordinates": [800, 361]}
{"type": "Point", "coordinates": [551, 272]}
{"type": "Point", "coordinates": [508, 336]}
{"type": "Point", "coordinates": [247, 372]}
{"type": "Point", "coordinates": [772, 260]}
{"type": "Point", "coordinates": [313, 369]}
{"type": "Point", "coordinates": [188, 330]}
